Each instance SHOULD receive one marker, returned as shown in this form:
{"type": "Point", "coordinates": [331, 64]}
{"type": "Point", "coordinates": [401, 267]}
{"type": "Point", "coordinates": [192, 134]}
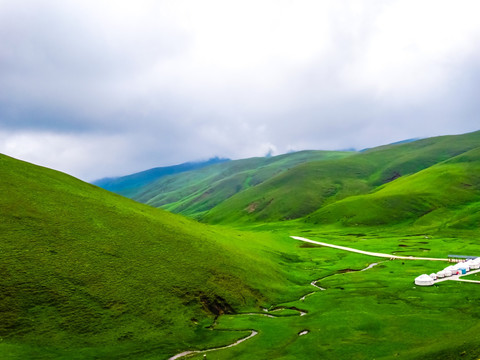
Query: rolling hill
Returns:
{"type": "Point", "coordinates": [87, 273]}
{"type": "Point", "coordinates": [323, 187]}
{"type": "Point", "coordinates": [316, 188]}
{"type": "Point", "coordinates": [195, 192]}
{"type": "Point", "coordinates": [444, 195]}
{"type": "Point", "coordinates": [90, 274]}
{"type": "Point", "coordinates": [128, 185]}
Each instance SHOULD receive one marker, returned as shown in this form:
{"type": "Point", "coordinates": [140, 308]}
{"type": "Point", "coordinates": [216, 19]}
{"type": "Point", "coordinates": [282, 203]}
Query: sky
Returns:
{"type": "Point", "coordinates": [100, 88]}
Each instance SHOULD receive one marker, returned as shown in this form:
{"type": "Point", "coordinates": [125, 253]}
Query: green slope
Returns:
{"type": "Point", "coordinates": [88, 273]}
{"type": "Point", "coordinates": [129, 185]}
{"type": "Point", "coordinates": [319, 185]}
{"type": "Point", "coordinates": [441, 195]}
{"type": "Point", "coordinates": [195, 192]}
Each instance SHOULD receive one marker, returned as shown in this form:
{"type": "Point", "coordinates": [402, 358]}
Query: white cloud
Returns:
{"type": "Point", "coordinates": [107, 87]}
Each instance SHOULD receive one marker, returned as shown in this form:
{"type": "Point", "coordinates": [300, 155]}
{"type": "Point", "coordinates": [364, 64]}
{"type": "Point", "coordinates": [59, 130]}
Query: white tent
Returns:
{"type": "Point", "coordinates": [472, 264]}
{"type": "Point", "coordinates": [462, 268]}
{"type": "Point", "coordinates": [424, 280]}
{"type": "Point", "coordinates": [450, 270]}
{"type": "Point", "coordinates": [475, 263]}
{"type": "Point", "coordinates": [433, 276]}
{"type": "Point", "coordinates": [441, 274]}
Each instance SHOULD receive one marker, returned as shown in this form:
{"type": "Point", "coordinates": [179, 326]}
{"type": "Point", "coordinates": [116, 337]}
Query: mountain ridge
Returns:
{"type": "Point", "coordinates": [301, 188]}
{"type": "Point", "coordinates": [126, 185]}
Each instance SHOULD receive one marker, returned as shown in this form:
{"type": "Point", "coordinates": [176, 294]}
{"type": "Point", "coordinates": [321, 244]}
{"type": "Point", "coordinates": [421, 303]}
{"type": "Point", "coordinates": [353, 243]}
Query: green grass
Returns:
{"type": "Point", "coordinates": [88, 274]}
{"type": "Point", "coordinates": [129, 185]}
{"type": "Point", "coordinates": [391, 184]}
{"type": "Point", "coordinates": [196, 192]}
{"type": "Point", "coordinates": [84, 270]}
{"type": "Point", "coordinates": [331, 187]}
{"type": "Point", "coordinates": [374, 314]}
{"type": "Point", "coordinates": [431, 197]}
{"type": "Point", "coordinates": [475, 277]}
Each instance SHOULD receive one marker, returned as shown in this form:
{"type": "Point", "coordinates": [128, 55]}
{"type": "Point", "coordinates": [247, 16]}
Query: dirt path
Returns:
{"type": "Point", "coordinates": [389, 256]}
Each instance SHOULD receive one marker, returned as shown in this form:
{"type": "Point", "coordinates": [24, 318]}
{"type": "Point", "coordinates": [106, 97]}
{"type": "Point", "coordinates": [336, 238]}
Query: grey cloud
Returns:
{"type": "Point", "coordinates": [159, 83]}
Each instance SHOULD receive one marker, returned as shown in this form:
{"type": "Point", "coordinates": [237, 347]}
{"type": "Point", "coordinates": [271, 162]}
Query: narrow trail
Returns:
{"type": "Point", "coordinates": [191, 352]}
{"type": "Point", "coordinates": [389, 256]}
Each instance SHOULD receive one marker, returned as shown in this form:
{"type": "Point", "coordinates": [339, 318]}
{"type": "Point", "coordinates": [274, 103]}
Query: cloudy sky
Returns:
{"type": "Point", "coordinates": [100, 88]}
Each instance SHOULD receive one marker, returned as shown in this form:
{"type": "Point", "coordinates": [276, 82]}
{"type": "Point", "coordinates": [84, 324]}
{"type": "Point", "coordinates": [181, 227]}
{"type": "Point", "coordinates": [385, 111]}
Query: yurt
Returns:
{"type": "Point", "coordinates": [450, 270]}
{"type": "Point", "coordinates": [462, 268]}
{"type": "Point", "coordinates": [441, 274]}
{"type": "Point", "coordinates": [424, 280]}
{"type": "Point", "coordinates": [433, 276]}
{"type": "Point", "coordinates": [476, 263]}
{"type": "Point", "coordinates": [473, 264]}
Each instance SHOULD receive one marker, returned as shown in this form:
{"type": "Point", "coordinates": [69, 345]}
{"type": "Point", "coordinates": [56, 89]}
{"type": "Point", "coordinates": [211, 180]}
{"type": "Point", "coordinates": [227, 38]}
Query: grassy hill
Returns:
{"type": "Point", "coordinates": [195, 192]}
{"type": "Point", "coordinates": [87, 273]}
{"type": "Point", "coordinates": [130, 184]}
{"type": "Point", "coordinates": [319, 187]}
{"type": "Point", "coordinates": [443, 195]}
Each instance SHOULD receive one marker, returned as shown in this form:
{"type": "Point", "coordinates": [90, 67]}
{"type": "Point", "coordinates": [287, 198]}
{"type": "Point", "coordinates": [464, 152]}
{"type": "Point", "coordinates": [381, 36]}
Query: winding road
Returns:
{"type": "Point", "coordinates": [389, 256]}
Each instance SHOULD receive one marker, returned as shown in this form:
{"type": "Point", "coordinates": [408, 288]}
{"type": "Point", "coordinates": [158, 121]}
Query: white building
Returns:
{"type": "Point", "coordinates": [424, 280]}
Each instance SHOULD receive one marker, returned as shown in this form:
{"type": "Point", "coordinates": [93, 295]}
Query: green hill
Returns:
{"type": "Point", "coordinates": [130, 184]}
{"type": "Point", "coordinates": [319, 187]}
{"type": "Point", "coordinates": [442, 195]}
{"type": "Point", "coordinates": [195, 192]}
{"type": "Point", "coordinates": [87, 273]}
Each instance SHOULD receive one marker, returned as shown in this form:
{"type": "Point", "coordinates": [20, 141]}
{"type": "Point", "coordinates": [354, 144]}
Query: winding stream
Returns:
{"type": "Point", "coordinates": [313, 283]}
{"type": "Point", "coordinates": [267, 313]}
{"type": "Point", "coordinates": [190, 352]}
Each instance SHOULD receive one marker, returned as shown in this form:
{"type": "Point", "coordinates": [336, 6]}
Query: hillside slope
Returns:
{"type": "Point", "coordinates": [444, 195]}
{"type": "Point", "coordinates": [89, 273]}
{"type": "Point", "coordinates": [195, 192]}
{"type": "Point", "coordinates": [129, 185]}
{"type": "Point", "coordinates": [309, 187]}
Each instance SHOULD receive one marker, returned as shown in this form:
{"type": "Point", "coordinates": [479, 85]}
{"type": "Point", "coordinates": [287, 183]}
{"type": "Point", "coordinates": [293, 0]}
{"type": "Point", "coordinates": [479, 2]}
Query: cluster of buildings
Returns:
{"type": "Point", "coordinates": [461, 268]}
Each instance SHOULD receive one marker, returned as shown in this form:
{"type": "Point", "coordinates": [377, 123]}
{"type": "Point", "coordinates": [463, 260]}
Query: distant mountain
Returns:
{"type": "Point", "coordinates": [129, 184]}
{"type": "Point", "coordinates": [396, 143]}
{"type": "Point", "coordinates": [196, 192]}
{"type": "Point", "coordinates": [323, 187]}
{"type": "Point", "coordinates": [325, 192]}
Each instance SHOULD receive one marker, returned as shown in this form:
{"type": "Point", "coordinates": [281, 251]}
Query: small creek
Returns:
{"type": "Point", "coordinates": [268, 313]}
{"type": "Point", "coordinates": [190, 352]}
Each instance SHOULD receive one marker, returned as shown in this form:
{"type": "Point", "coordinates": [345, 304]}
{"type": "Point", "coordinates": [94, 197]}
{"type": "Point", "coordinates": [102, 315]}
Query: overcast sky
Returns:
{"type": "Point", "coordinates": [101, 88]}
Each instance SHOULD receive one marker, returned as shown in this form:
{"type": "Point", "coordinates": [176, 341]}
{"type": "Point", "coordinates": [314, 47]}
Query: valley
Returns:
{"type": "Point", "coordinates": [91, 274]}
{"type": "Point", "coordinates": [344, 275]}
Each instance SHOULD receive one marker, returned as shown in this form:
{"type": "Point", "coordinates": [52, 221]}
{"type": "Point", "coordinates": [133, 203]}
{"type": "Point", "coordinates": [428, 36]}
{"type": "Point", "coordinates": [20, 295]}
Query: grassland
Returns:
{"type": "Point", "coordinates": [196, 192]}
{"type": "Point", "coordinates": [129, 185]}
{"type": "Point", "coordinates": [374, 314]}
{"type": "Point", "coordinates": [338, 190]}
{"type": "Point", "coordinates": [397, 183]}
{"type": "Point", "coordinates": [89, 274]}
